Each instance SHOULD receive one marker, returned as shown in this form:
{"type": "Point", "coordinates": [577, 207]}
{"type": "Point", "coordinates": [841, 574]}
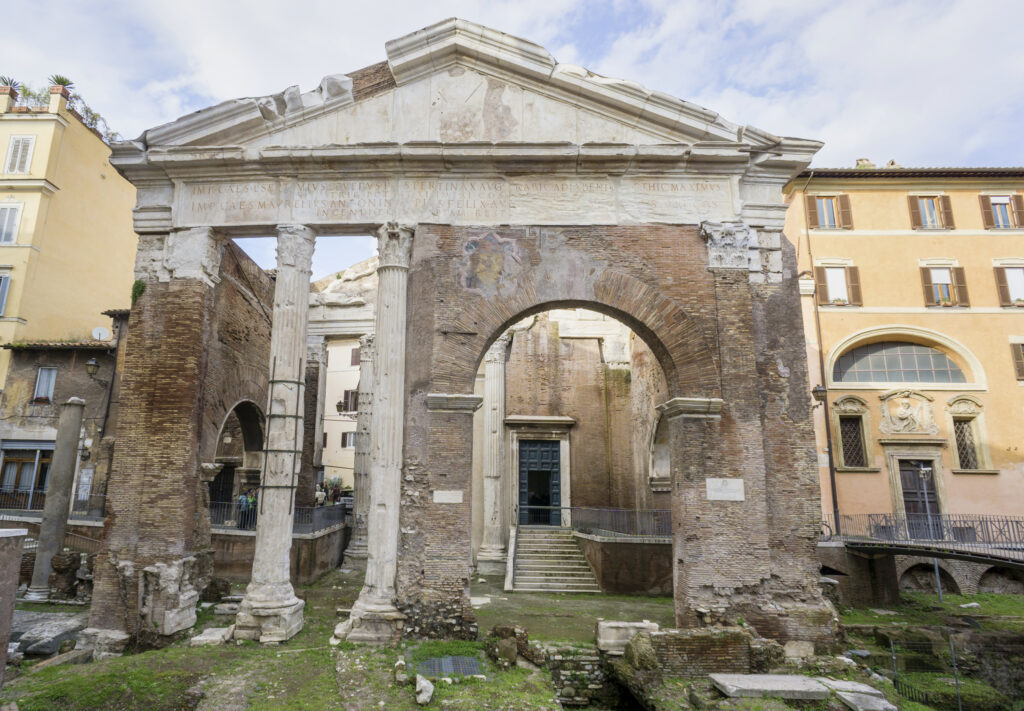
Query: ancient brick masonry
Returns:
{"type": "Point", "coordinates": [195, 349]}
{"type": "Point", "coordinates": [709, 330]}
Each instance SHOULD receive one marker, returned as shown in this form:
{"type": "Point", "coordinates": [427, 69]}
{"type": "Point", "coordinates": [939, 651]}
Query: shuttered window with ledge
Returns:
{"type": "Point", "coordinates": [829, 212]}
{"type": "Point", "coordinates": [1002, 212]}
{"type": "Point", "coordinates": [945, 286]}
{"type": "Point", "coordinates": [931, 212]}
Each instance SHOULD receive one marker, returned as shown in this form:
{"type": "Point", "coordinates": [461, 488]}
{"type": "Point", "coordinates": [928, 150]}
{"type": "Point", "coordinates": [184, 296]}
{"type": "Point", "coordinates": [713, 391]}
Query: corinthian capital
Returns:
{"type": "Point", "coordinates": [729, 244]}
{"type": "Point", "coordinates": [394, 245]}
{"type": "Point", "coordinates": [366, 348]}
{"type": "Point", "coordinates": [295, 245]}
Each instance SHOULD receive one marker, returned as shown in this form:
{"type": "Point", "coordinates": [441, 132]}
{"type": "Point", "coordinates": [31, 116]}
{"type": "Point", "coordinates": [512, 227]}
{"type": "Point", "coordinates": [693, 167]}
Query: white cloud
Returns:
{"type": "Point", "coordinates": [927, 82]}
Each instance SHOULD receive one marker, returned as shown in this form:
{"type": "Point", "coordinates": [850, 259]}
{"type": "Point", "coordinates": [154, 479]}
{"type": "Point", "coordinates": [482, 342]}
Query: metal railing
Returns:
{"type": "Point", "coordinates": [600, 521]}
{"type": "Point", "coordinates": [974, 534]}
{"type": "Point", "coordinates": [90, 508]}
{"type": "Point", "coordinates": [22, 500]}
{"type": "Point", "coordinates": [228, 515]}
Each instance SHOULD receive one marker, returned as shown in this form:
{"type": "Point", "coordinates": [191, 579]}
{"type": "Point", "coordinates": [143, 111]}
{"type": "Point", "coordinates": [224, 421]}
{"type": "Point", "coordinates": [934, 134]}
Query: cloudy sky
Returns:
{"type": "Point", "coordinates": [924, 82]}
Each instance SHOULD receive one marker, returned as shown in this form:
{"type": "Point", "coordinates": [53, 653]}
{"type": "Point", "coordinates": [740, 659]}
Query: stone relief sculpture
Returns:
{"type": "Point", "coordinates": [729, 244]}
{"type": "Point", "coordinates": [907, 412]}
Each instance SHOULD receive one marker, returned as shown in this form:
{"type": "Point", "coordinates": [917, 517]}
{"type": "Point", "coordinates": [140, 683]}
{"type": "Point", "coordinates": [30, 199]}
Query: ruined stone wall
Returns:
{"type": "Point", "coordinates": [716, 332]}
{"type": "Point", "coordinates": [193, 352]}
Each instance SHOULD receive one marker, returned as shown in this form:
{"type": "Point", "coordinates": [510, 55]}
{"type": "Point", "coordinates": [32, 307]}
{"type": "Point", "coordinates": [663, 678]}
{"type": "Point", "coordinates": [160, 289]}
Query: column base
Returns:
{"type": "Point", "coordinates": [357, 550]}
{"type": "Point", "coordinates": [491, 561]}
{"type": "Point", "coordinates": [372, 623]}
{"type": "Point", "coordinates": [37, 594]}
{"type": "Point", "coordinates": [269, 622]}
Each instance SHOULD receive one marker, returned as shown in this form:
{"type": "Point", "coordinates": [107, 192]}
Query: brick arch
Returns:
{"type": "Point", "coordinates": [675, 339]}
{"type": "Point", "coordinates": [238, 384]}
{"type": "Point", "coordinates": [250, 417]}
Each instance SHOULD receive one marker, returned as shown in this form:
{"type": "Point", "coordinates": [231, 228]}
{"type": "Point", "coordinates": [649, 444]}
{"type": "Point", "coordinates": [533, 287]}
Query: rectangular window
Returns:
{"type": "Point", "coordinates": [1017, 350]}
{"type": "Point", "coordinates": [45, 379]}
{"type": "Point", "coordinates": [1010, 284]}
{"type": "Point", "coordinates": [355, 357]}
{"type": "Point", "coordinates": [1001, 214]}
{"type": "Point", "coordinates": [835, 279]}
{"type": "Point", "coordinates": [325, 440]}
{"type": "Point", "coordinates": [19, 154]}
{"type": "Point", "coordinates": [945, 286]}
{"type": "Point", "coordinates": [5, 285]}
{"type": "Point", "coordinates": [931, 212]}
{"type": "Point", "coordinates": [851, 436]}
{"type": "Point", "coordinates": [966, 451]}
{"type": "Point", "coordinates": [829, 212]}
{"type": "Point", "coordinates": [9, 215]}
{"type": "Point", "coordinates": [942, 285]}
{"type": "Point", "coordinates": [348, 440]}
{"type": "Point", "coordinates": [350, 401]}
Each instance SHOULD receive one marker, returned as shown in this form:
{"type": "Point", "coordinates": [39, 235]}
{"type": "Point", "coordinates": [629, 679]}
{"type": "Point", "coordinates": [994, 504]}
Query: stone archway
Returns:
{"type": "Point", "coordinates": [596, 192]}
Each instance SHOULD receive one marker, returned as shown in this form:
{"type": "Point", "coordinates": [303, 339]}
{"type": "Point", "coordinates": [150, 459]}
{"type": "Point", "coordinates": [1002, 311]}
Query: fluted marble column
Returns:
{"type": "Point", "coordinates": [357, 550]}
{"type": "Point", "coordinates": [270, 611]}
{"type": "Point", "coordinates": [374, 616]}
{"type": "Point", "coordinates": [491, 556]}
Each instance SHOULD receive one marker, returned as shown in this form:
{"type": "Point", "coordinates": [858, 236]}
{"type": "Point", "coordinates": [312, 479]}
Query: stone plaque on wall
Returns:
{"type": "Point", "coordinates": [467, 201]}
{"type": "Point", "coordinates": [448, 497]}
{"type": "Point", "coordinates": [724, 489]}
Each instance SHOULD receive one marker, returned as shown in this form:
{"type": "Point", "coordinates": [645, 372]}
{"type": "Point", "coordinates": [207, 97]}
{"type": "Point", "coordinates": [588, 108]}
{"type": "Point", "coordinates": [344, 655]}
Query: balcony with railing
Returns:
{"type": "Point", "coordinates": [954, 535]}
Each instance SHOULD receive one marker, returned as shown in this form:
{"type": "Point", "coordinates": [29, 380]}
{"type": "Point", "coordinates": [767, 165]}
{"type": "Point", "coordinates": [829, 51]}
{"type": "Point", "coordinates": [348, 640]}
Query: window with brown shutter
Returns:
{"type": "Point", "coordinates": [986, 212]}
{"type": "Point", "coordinates": [845, 212]}
{"type": "Point", "coordinates": [1018, 209]}
{"type": "Point", "coordinates": [812, 211]}
{"type": "Point", "coordinates": [915, 212]}
{"type": "Point", "coordinates": [960, 296]}
{"type": "Point", "coordinates": [1018, 359]}
{"type": "Point", "coordinates": [853, 286]}
{"type": "Point", "coordinates": [926, 283]}
{"type": "Point", "coordinates": [1003, 287]}
{"type": "Point", "coordinates": [821, 285]}
{"type": "Point", "coordinates": [947, 212]}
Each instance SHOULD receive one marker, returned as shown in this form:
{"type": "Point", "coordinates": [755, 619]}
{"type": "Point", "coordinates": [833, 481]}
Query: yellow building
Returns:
{"type": "Point", "coordinates": [67, 247]}
{"type": "Point", "coordinates": [912, 284]}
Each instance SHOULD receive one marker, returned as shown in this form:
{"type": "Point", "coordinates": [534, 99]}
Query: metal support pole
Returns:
{"type": "Point", "coordinates": [924, 472]}
{"type": "Point", "coordinates": [956, 676]}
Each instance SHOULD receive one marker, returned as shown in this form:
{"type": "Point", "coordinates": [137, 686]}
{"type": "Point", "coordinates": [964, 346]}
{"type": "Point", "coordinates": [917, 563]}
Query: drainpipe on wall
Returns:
{"type": "Point", "coordinates": [821, 367]}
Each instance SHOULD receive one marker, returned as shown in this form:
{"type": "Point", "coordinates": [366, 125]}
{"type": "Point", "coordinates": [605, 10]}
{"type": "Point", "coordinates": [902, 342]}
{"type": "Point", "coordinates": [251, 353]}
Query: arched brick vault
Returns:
{"type": "Point", "coordinates": [536, 269]}
{"type": "Point", "coordinates": [250, 417]}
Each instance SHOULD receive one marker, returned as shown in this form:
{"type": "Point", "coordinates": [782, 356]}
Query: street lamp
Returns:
{"type": "Point", "coordinates": [925, 472]}
{"type": "Point", "coordinates": [818, 392]}
{"type": "Point", "coordinates": [92, 366]}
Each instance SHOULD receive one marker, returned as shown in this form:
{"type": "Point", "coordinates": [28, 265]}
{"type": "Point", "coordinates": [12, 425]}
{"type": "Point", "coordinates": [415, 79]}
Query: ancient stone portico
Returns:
{"type": "Point", "coordinates": [500, 184]}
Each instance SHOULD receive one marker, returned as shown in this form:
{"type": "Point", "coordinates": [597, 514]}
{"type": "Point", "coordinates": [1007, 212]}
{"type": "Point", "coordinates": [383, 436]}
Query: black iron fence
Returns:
{"type": "Point", "coordinates": [91, 507]}
{"type": "Point", "coordinates": [980, 534]}
{"type": "Point", "coordinates": [307, 519]}
{"type": "Point", "coordinates": [22, 499]}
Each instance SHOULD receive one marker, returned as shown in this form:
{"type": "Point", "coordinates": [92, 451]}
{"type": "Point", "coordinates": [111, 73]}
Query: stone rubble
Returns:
{"type": "Point", "coordinates": [424, 690]}
{"type": "Point", "coordinates": [212, 636]}
{"type": "Point", "coordinates": [865, 702]}
{"type": "Point", "coordinates": [782, 686]}
{"type": "Point", "coordinates": [42, 633]}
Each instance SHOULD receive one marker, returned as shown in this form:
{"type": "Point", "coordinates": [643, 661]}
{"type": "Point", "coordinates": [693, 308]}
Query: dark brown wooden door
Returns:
{"type": "Point", "coordinates": [919, 498]}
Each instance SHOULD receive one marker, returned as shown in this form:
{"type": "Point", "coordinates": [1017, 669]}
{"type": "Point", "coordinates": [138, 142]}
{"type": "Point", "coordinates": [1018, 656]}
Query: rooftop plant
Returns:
{"type": "Point", "coordinates": [10, 81]}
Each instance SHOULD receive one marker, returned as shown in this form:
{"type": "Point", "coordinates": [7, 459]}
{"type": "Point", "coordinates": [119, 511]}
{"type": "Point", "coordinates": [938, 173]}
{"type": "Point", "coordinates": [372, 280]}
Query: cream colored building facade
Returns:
{"type": "Point", "coordinates": [340, 406]}
{"type": "Point", "coordinates": [67, 246]}
{"type": "Point", "coordinates": [912, 284]}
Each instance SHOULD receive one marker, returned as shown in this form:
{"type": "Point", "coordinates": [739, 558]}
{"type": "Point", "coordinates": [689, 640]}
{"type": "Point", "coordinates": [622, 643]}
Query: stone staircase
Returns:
{"type": "Point", "coordinates": [548, 559]}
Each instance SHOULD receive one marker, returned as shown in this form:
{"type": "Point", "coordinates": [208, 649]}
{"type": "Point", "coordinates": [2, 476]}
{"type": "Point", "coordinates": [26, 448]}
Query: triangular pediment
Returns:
{"type": "Point", "coordinates": [459, 82]}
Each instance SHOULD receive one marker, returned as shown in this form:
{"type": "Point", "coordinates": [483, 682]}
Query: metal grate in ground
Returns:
{"type": "Point", "coordinates": [449, 666]}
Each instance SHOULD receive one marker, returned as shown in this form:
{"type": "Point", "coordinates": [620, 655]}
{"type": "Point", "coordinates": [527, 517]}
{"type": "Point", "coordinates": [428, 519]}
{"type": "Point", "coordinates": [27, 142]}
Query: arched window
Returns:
{"type": "Point", "coordinates": [896, 362]}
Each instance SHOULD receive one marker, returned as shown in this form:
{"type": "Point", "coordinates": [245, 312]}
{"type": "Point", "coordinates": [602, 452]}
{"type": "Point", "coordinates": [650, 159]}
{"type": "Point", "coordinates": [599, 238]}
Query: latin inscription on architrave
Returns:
{"type": "Point", "coordinates": [520, 200]}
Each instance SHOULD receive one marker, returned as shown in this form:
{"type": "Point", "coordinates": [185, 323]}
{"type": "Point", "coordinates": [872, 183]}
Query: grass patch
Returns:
{"type": "Point", "coordinates": [996, 612]}
{"type": "Point", "coordinates": [975, 693]}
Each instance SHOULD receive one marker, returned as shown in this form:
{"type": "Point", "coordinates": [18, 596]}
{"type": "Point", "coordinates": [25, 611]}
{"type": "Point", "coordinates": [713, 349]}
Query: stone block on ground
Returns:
{"type": "Point", "coordinates": [780, 686]}
{"type": "Point", "coordinates": [226, 608]}
{"type": "Point", "coordinates": [865, 702]}
{"type": "Point", "coordinates": [104, 643]}
{"type": "Point", "coordinates": [42, 633]}
{"type": "Point", "coordinates": [853, 687]}
{"type": "Point", "coordinates": [424, 690]}
{"type": "Point", "coordinates": [211, 636]}
{"type": "Point", "coordinates": [612, 635]}
{"type": "Point", "coordinates": [75, 656]}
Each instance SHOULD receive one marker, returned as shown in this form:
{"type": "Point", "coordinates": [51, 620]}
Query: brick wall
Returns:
{"type": "Point", "coordinates": [714, 334]}
{"type": "Point", "coordinates": [192, 353]}
{"type": "Point", "coordinates": [699, 652]}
